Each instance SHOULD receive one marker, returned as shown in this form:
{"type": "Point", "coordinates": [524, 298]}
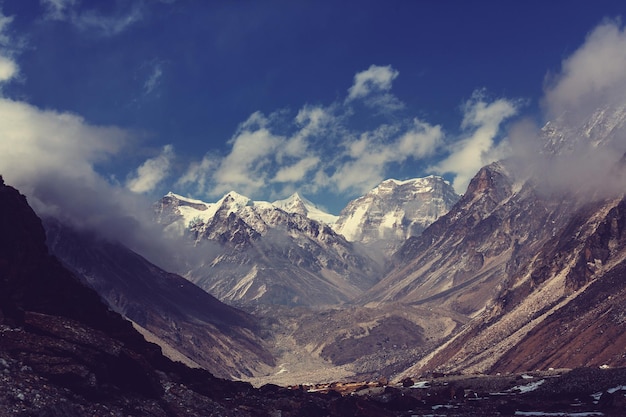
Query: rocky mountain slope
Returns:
{"type": "Point", "coordinates": [564, 309]}
{"type": "Point", "coordinates": [249, 253]}
{"type": "Point", "coordinates": [535, 262]}
{"type": "Point", "coordinates": [186, 321]}
{"type": "Point", "coordinates": [462, 260]}
{"type": "Point", "coordinates": [64, 351]}
{"type": "Point", "coordinates": [290, 252]}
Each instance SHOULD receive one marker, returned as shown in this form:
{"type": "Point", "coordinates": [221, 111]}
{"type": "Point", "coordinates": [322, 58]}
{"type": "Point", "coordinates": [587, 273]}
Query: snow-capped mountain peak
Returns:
{"type": "Point", "coordinates": [300, 205]}
{"type": "Point", "coordinates": [396, 210]}
{"type": "Point", "coordinates": [234, 201]}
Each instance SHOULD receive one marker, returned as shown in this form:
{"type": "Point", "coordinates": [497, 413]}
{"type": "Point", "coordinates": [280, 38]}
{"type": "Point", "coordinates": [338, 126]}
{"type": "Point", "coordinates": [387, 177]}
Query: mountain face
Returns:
{"type": "Point", "coordinates": [564, 308]}
{"type": "Point", "coordinates": [62, 349]}
{"type": "Point", "coordinates": [290, 252]}
{"type": "Point", "coordinates": [191, 325]}
{"type": "Point", "coordinates": [247, 253]}
{"type": "Point", "coordinates": [462, 257]}
{"type": "Point", "coordinates": [395, 210]}
{"type": "Point", "coordinates": [604, 126]}
{"type": "Point", "coordinates": [535, 267]}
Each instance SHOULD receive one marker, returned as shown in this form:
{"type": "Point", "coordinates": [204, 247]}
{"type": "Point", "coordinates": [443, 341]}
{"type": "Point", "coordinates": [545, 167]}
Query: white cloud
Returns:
{"type": "Point", "coordinates": [316, 150]}
{"type": "Point", "coordinates": [154, 79]}
{"type": "Point", "coordinates": [482, 121]}
{"type": "Point", "coordinates": [375, 79]}
{"type": "Point", "coordinates": [585, 103]}
{"type": "Point", "coordinates": [8, 69]}
{"type": "Point", "coordinates": [421, 140]}
{"type": "Point", "coordinates": [58, 9]}
{"type": "Point", "coordinates": [298, 171]}
{"type": "Point", "coordinates": [93, 20]}
{"type": "Point", "coordinates": [35, 141]}
{"type": "Point", "coordinates": [595, 74]}
{"type": "Point", "coordinates": [52, 158]}
{"type": "Point", "coordinates": [260, 156]}
{"type": "Point", "coordinates": [245, 168]}
{"type": "Point", "coordinates": [152, 171]}
{"type": "Point", "coordinates": [199, 174]}
{"type": "Point", "coordinates": [368, 156]}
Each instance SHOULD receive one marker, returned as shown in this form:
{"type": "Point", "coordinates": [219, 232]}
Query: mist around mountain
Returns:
{"type": "Point", "coordinates": [191, 326]}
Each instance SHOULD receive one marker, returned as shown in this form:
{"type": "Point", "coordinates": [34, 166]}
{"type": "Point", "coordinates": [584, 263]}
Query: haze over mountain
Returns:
{"type": "Point", "coordinates": [190, 325]}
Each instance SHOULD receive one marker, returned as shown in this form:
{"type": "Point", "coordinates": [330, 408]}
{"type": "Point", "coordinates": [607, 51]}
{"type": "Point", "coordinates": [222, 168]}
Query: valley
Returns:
{"type": "Point", "coordinates": [408, 279]}
{"type": "Point", "coordinates": [508, 283]}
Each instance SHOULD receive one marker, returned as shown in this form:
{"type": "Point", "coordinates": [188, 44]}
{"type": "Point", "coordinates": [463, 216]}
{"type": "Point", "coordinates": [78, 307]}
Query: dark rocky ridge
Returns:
{"type": "Point", "coordinates": [213, 335]}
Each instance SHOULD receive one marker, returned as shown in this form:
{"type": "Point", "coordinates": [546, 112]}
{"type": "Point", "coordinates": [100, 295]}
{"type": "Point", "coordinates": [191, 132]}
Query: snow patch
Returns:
{"type": "Point", "coordinates": [543, 413]}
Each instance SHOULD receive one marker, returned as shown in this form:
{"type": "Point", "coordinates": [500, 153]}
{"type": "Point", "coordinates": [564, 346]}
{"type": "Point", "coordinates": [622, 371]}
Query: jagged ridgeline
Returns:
{"type": "Point", "coordinates": [291, 252]}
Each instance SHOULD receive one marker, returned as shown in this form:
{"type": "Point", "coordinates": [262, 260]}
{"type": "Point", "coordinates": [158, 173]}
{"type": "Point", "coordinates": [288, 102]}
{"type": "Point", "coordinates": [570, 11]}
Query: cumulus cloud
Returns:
{"type": "Point", "coordinates": [198, 174]}
{"type": "Point", "coordinates": [375, 79]}
{"type": "Point", "coordinates": [372, 86]}
{"type": "Point", "coordinates": [8, 69]}
{"type": "Point", "coordinates": [481, 123]}
{"type": "Point", "coordinates": [579, 151]}
{"type": "Point", "coordinates": [315, 150]}
{"type": "Point", "coordinates": [246, 167]}
{"type": "Point", "coordinates": [592, 75]}
{"type": "Point", "coordinates": [298, 171]}
{"type": "Point", "coordinates": [260, 155]}
{"type": "Point", "coordinates": [368, 156]}
{"type": "Point", "coordinates": [36, 141]}
{"type": "Point", "coordinates": [151, 172]}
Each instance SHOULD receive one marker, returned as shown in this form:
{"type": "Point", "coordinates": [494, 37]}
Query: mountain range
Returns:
{"type": "Point", "coordinates": [522, 272]}
{"type": "Point", "coordinates": [291, 252]}
{"type": "Point", "coordinates": [65, 353]}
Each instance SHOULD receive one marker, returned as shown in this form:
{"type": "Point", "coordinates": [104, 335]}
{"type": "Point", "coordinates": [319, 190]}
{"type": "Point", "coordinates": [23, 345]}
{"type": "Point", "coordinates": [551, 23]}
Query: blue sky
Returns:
{"type": "Point", "coordinates": [137, 97]}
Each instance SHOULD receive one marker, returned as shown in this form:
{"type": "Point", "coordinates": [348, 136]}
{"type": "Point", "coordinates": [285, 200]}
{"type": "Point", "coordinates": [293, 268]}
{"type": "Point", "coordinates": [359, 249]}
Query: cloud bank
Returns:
{"type": "Point", "coordinates": [579, 151]}
{"type": "Point", "coordinates": [319, 150]}
{"type": "Point", "coordinates": [592, 76]}
{"type": "Point", "coordinates": [477, 145]}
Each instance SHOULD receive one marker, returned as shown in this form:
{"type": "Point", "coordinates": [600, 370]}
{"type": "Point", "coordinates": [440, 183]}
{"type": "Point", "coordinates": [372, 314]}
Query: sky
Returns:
{"type": "Point", "coordinates": [105, 106]}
